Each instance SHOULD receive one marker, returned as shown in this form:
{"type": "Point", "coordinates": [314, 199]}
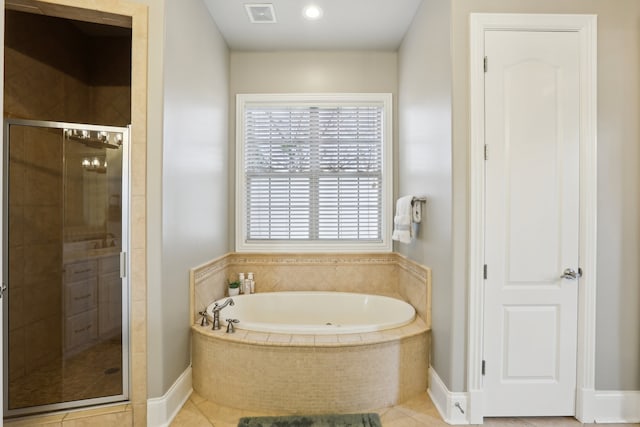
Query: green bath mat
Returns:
{"type": "Point", "coordinates": [332, 420]}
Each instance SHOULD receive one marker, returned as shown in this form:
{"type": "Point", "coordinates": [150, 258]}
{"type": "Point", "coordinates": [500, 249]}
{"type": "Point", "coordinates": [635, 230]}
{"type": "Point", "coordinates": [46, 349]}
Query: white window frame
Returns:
{"type": "Point", "coordinates": [324, 99]}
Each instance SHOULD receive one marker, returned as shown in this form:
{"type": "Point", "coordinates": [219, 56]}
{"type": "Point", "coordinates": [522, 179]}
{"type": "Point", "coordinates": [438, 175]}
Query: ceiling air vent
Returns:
{"type": "Point", "coordinates": [261, 13]}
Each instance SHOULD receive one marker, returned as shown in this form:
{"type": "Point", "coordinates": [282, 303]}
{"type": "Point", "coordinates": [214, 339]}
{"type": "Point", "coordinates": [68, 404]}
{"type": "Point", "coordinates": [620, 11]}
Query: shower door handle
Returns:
{"type": "Point", "coordinates": [123, 265]}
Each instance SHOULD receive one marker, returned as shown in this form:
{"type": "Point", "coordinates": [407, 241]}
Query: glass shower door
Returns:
{"type": "Point", "coordinates": [66, 342]}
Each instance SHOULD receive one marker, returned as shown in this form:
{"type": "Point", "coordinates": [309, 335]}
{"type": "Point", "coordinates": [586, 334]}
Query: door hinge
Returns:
{"type": "Point", "coordinates": [486, 152]}
{"type": "Point", "coordinates": [485, 64]}
{"type": "Point", "coordinates": [483, 367]}
{"type": "Point", "coordinates": [3, 289]}
{"type": "Point", "coordinates": [484, 272]}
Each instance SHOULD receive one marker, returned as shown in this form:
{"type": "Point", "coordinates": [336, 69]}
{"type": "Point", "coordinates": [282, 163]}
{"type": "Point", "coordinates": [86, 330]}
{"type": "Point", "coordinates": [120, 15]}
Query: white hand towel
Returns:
{"type": "Point", "coordinates": [402, 227]}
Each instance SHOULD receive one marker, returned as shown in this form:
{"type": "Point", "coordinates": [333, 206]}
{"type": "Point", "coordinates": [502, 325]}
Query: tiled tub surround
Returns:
{"type": "Point", "coordinates": [310, 374]}
{"type": "Point", "coordinates": [388, 274]}
{"type": "Point", "coordinates": [313, 373]}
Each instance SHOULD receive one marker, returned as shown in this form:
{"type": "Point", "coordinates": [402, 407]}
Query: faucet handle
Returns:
{"type": "Point", "coordinates": [204, 321]}
{"type": "Point", "coordinates": [230, 328]}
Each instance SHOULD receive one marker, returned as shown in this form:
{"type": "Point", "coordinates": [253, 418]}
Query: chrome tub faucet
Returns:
{"type": "Point", "coordinates": [216, 312]}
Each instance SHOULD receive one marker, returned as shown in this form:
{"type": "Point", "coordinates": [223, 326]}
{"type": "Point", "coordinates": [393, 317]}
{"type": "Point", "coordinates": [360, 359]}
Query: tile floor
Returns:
{"type": "Point", "coordinates": [94, 372]}
{"type": "Point", "coordinates": [417, 412]}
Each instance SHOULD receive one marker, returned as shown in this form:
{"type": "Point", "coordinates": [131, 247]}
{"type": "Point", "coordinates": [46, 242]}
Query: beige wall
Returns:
{"type": "Point", "coordinates": [313, 71]}
{"type": "Point", "coordinates": [154, 362]}
{"type": "Point", "coordinates": [618, 293]}
{"type": "Point", "coordinates": [193, 175]}
{"type": "Point", "coordinates": [305, 72]}
{"type": "Point", "coordinates": [424, 122]}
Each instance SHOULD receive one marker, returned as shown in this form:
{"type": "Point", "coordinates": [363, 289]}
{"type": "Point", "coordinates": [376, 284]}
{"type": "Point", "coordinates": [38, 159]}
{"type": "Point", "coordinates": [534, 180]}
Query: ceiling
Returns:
{"type": "Point", "coordinates": [345, 24]}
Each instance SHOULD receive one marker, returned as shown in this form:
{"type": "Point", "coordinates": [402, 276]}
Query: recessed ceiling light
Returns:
{"type": "Point", "coordinates": [312, 12]}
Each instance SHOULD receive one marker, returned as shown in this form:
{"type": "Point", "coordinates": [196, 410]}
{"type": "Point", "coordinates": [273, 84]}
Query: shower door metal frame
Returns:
{"type": "Point", "coordinates": [124, 267]}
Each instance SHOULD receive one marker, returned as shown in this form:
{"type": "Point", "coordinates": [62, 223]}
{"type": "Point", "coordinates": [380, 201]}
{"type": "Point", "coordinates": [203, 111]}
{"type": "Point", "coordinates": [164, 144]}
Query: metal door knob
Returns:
{"type": "Point", "coordinates": [570, 273]}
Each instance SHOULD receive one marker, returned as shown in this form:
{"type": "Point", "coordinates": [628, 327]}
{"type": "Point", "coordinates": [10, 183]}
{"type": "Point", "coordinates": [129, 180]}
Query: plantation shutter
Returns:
{"type": "Point", "coordinates": [313, 173]}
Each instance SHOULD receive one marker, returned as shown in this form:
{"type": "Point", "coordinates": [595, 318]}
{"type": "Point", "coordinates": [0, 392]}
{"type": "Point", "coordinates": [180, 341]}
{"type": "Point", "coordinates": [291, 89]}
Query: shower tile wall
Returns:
{"type": "Point", "coordinates": [45, 77]}
{"type": "Point", "coordinates": [65, 75]}
{"type": "Point", "coordinates": [35, 239]}
{"type": "Point", "coordinates": [110, 90]}
{"type": "Point", "coordinates": [53, 72]}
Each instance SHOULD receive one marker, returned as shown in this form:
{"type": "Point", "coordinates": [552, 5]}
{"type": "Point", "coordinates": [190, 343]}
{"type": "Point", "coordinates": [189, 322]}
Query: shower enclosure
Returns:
{"type": "Point", "coordinates": [65, 240]}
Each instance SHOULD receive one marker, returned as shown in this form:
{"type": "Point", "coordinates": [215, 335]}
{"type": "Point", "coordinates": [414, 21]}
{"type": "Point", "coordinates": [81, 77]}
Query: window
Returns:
{"type": "Point", "coordinates": [313, 172]}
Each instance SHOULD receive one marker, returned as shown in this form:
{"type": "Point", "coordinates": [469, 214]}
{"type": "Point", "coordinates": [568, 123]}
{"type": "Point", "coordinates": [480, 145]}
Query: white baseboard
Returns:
{"type": "Point", "coordinates": [585, 405]}
{"type": "Point", "coordinates": [616, 407]}
{"type": "Point", "coordinates": [451, 405]}
{"type": "Point", "coordinates": [162, 410]}
{"type": "Point", "coordinates": [601, 407]}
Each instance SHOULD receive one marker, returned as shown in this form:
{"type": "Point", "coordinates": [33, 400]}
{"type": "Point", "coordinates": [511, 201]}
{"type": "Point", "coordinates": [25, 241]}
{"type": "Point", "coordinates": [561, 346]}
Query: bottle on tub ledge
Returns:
{"type": "Point", "coordinates": [247, 283]}
{"type": "Point", "coordinates": [241, 280]}
{"type": "Point", "coordinates": [252, 283]}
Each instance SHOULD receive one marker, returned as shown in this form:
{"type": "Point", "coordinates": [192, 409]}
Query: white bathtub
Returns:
{"type": "Point", "coordinates": [316, 312]}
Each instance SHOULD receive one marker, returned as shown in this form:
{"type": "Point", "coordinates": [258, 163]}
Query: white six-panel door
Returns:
{"type": "Point", "coordinates": [531, 222]}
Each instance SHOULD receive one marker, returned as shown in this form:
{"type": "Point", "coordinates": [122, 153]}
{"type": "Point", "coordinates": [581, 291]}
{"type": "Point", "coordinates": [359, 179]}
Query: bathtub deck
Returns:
{"type": "Point", "coordinates": [321, 340]}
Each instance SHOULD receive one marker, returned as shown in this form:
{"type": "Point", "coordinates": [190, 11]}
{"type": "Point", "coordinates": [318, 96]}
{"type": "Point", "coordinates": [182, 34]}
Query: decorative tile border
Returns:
{"type": "Point", "coordinates": [307, 259]}
{"type": "Point", "coordinates": [418, 271]}
{"type": "Point", "coordinates": [210, 268]}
